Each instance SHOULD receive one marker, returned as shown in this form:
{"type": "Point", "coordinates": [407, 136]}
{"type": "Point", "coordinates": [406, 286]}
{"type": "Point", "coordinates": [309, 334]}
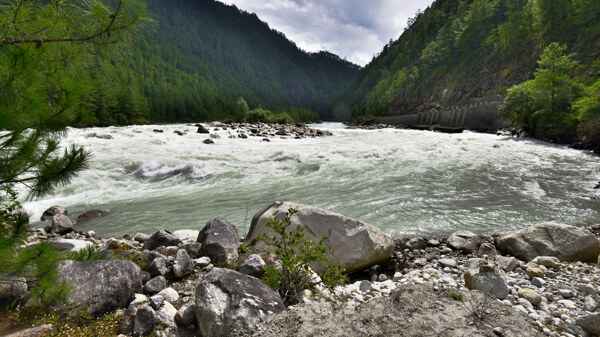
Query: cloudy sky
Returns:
{"type": "Point", "coordinates": [354, 29]}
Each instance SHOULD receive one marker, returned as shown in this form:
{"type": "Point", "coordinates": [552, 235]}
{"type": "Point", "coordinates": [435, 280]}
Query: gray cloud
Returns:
{"type": "Point", "coordinates": [354, 29]}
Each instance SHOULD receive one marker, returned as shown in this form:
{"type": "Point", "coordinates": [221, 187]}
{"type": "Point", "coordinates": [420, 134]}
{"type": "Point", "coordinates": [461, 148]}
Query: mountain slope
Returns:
{"type": "Point", "coordinates": [202, 57]}
{"type": "Point", "coordinates": [459, 49]}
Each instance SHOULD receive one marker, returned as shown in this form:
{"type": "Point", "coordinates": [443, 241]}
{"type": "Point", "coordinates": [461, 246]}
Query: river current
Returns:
{"type": "Point", "coordinates": [405, 182]}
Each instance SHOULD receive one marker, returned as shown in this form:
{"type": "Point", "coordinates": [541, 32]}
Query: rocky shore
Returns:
{"type": "Point", "coordinates": [539, 281]}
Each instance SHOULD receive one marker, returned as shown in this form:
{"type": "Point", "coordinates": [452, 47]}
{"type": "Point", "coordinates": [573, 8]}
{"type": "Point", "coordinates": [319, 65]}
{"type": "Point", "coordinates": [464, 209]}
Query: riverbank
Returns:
{"type": "Point", "coordinates": [462, 284]}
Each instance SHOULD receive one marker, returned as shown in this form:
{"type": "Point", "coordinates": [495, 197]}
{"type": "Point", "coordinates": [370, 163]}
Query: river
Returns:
{"type": "Point", "coordinates": [406, 182]}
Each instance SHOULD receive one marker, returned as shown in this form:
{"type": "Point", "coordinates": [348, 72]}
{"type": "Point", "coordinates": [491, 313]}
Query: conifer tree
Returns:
{"type": "Point", "coordinates": [43, 47]}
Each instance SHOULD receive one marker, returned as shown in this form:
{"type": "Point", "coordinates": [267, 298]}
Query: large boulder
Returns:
{"type": "Point", "coordinates": [487, 279]}
{"type": "Point", "coordinates": [52, 211]}
{"type": "Point", "coordinates": [464, 240]}
{"type": "Point", "coordinates": [567, 243]}
{"type": "Point", "coordinates": [220, 241]}
{"type": "Point", "coordinates": [61, 224]}
{"type": "Point", "coordinates": [162, 238]}
{"type": "Point", "coordinates": [12, 290]}
{"type": "Point", "coordinates": [100, 286]}
{"type": "Point", "coordinates": [357, 245]}
{"type": "Point", "coordinates": [228, 300]}
{"type": "Point", "coordinates": [590, 323]}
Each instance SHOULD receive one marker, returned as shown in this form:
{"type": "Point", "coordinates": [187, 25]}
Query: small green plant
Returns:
{"type": "Point", "coordinates": [457, 296]}
{"type": "Point", "coordinates": [135, 257]}
{"type": "Point", "coordinates": [243, 248]}
{"type": "Point", "coordinates": [65, 325]}
{"type": "Point", "coordinates": [296, 254]}
{"type": "Point", "coordinates": [88, 253]}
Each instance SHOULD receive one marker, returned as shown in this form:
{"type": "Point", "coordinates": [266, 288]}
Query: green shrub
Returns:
{"type": "Point", "coordinates": [89, 253]}
{"type": "Point", "coordinates": [243, 248]}
{"type": "Point", "coordinates": [457, 296]}
{"type": "Point", "coordinates": [297, 253]}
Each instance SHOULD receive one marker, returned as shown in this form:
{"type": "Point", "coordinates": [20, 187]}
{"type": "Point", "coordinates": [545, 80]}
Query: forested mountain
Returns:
{"type": "Point", "coordinates": [458, 49]}
{"type": "Point", "coordinates": [202, 56]}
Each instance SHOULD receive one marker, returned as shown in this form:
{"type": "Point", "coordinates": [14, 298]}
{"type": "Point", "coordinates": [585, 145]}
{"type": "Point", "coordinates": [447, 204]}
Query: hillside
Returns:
{"type": "Point", "coordinates": [197, 62]}
{"type": "Point", "coordinates": [460, 49]}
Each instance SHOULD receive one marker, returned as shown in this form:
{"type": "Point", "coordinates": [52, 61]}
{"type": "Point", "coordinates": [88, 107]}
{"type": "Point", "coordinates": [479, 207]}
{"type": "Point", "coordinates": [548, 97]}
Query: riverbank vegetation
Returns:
{"type": "Point", "coordinates": [458, 49]}
{"type": "Point", "coordinates": [44, 50]}
{"type": "Point", "coordinates": [556, 104]}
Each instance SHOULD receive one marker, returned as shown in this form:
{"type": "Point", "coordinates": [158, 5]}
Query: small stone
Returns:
{"type": "Point", "coordinates": [253, 266]}
{"type": "Point", "coordinates": [586, 289]}
{"type": "Point", "coordinates": [416, 243]}
{"type": "Point", "coordinates": [568, 304]}
{"type": "Point", "coordinates": [158, 267]}
{"type": "Point", "coordinates": [156, 301]}
{"type": "Point", "coordinates": [534, 272]}
{"type": "Point", "coordinates": [590, 304]}
{"type": "Point", "coordinates": [547, 261]}
{"type": "Point", "coordinates": [566, 293]}
{"type": "Point", "coordinates": [183, 265]}
{"type": "Point", "coordinates": [155, 285]}
{"type": "Point", "coordinates": [538, 282]}
{"type": "Point", "coordinates": [202, 262]}
{"type": "Point", "coordinates": [382, 277]}
{"type": "Point", "coordinates": [531, 296]}
{"type": "Point", "coordinates": [499, 332]}
{"type": "Point", "coordinates": [140, 237]}
{"type": "Point", "coordinates": [169, 294]}
{"type": "Point", "coordinates": [448, 263]}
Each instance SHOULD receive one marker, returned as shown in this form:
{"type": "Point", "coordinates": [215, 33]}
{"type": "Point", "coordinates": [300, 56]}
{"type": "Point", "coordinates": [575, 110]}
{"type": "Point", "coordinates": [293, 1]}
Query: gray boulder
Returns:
{"type": "Point", "coordinates": [155, 285]}
{"type": "Point", "coordinates": [183, 265]}
{"type": "Point", "coordinates": [253, 266]}
{"type": "Point", "coordinates": [52, 211]}
{"type": "Point", "coordinates": [162, 238]}
{"type": "Point", "coordinates": [590, 324]}
{"type": "Point", "coordinates": [567, 243]}
{"type": "Point", "coordinates": [158, 267]}
{"type": "Point", "coordinates": [507, 263]}
{"type": "Point", "coordinates": [187, 235]}
{"type": "Point", "coordinates": [464, 240]}
{"type": "Point", "coordinates": [220, 241]}
{"type": "Point", "coordinates": [144, 322]}
{"type": "Point", "coordinates": [61, 224]}
{"type": "Point", "coordinates": [228, 300]}
{"type": "Point", "coordinates": [12, 290]}
{"type": "Point", "coordinates": [91, 215]}
{"type": "Point", "coordinates": [186, 315]}
{"type": "Point", "coordinates": [194, 249]}
{"type": "Point", "coordinates": [487, 279]}
{"type": "Point", "coordinates": [416, 243]}
{"type": "Point", "coordinates": [100, 286]}
{"type": "Point", "coordinates": [357, 245]}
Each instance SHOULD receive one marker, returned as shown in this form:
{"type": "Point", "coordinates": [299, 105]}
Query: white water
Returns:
{"type": "Point", "coordinates": [404, 181]}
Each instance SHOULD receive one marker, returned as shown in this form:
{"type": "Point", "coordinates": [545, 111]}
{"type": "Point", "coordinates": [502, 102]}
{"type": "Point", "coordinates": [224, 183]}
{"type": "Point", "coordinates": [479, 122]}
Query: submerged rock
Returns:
{"type": "Point", "coordinates": [357, 245]}
{"type": "Point", "coordinates": [91, 215]}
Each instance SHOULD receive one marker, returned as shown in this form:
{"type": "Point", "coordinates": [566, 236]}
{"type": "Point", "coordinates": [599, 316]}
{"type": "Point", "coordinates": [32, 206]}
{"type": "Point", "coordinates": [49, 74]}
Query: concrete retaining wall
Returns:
{"type": "Point", "coordinates": [475, 114]}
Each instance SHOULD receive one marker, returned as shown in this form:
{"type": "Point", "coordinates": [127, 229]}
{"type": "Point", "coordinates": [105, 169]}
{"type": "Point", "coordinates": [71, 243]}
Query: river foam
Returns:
{"type": "Point", "coordinates": [406, 182]}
